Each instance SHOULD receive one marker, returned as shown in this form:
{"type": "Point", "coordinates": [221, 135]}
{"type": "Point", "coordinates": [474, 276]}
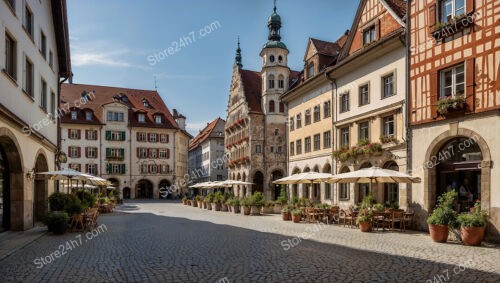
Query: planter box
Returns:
{"type": "Point", "coordinates": [255, 210]}
{"type": "Point", "coordinates": [277, 208]}
{"type": "Point", "coordinates": [215, 206]}
{"type": "Point", "coordinates": [267, 210]}
{"type": "Point", "coordinates": [246, 210]}
{"type": "Point", "coordinates": [235, 209]}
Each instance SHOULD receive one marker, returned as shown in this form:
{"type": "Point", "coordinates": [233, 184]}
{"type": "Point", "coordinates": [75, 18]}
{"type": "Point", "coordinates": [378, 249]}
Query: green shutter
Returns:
{"type": "Point", "coordinates": [108, 152]}
{"type": "Point", "coordinates": [123, 136]}
{"type": "Point", "coordinates": [122, 152]}
{"type": "Point", "coordinates": [122, 168]}
{"type": "Point", "coordinates": [108, 135]}
{"type": "Point", "coordinates": [108, 168]}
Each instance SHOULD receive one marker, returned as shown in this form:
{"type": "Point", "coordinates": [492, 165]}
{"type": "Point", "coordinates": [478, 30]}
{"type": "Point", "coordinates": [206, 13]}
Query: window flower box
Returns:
{"type": "Point", "coordinates": [449, 105]}
{"type": "Point", "coordinates": [454, 25]}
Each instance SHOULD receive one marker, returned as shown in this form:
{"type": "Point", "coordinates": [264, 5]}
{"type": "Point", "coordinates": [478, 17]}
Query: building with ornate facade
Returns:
{"type": "Point", "coordinates": [127, 136]}
{"type": "Point", "coordinates": [255, 133]}
{"type": "Point", "coordinates": [455, 105]}
{"type": "Point", "coordinates": [34, 57]}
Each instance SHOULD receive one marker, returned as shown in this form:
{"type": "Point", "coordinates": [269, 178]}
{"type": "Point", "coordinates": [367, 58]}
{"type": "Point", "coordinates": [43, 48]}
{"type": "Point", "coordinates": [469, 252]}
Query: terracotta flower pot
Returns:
{"type": "Point", "coordinates": [194, 203]}
{"type": "Point", "coordinates": [439, 233]}
{"type": "Point", "coordinates": [286, 216]}
{"type": "Point", "coordinates": [224, 207]}
{"type": "Point", "coordinates": [472, 236]}
{"type": "Point", "coordinates": [236, 209]}
{"type": "Point", "coordinates": [365, 226]}
{"type": "Point", "coordinates": [246, 210]}
{"type": "Point", "coordinates": [295, 218]}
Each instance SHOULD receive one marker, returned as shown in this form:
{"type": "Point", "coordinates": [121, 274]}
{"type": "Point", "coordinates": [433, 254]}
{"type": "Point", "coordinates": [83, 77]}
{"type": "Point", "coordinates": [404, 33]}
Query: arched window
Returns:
{"type": "Point", "coordinates": [271, 106]}
{"type": "Point", "coordinates": [281, 81]}
{"type": "Point", "coordinates": [282, 107]}
{"type": "Point", "coordinates": [271, 81]}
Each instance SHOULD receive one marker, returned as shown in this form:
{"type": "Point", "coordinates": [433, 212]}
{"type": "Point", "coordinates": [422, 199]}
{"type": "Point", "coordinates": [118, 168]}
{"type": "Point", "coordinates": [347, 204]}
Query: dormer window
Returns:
{"type": "Point", "coordinates": [141, 118]}
{"type": "Point", "coordinates": [146, 103]}
{"type": "Point", "coordinates": [369, 35]}
{"type": "Point", "coordinates": [88, 115]}
{"type": "Point", "coordinates": [310, 70]}
{"type": "Point", "coordinates": [158, 119]}
{"type": "Point", "coordinates": [124, 98]}
{"type": "Point", "coordinates": [74, 115]}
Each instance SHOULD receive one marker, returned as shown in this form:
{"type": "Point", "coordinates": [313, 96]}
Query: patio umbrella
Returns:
{"type": "Point", "coordinates": [304, 178]}
{"type": "Point", "coordinates": [374, 175]}
{"type": "Point", "coordinates": [68, 174]}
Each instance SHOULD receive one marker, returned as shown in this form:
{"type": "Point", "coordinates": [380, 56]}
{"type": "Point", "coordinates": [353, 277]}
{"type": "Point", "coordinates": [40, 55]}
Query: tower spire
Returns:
{"type": "Point", "coordinates": [237, 58]}
{"type": "Point", "coordinates": [274, 25]}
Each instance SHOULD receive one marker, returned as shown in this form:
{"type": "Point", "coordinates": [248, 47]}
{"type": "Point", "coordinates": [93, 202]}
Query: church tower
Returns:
{"type": "Point", "coordinates": [275, 72]}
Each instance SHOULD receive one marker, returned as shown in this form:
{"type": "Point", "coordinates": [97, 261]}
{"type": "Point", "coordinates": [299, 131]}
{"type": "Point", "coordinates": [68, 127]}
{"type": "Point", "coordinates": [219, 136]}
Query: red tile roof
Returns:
{"type": "Point", "coordinates": [398, 6]}
{"type": "Point", "coordinates": [102, 95]}
{"type": "Point", "coordinates": [252, 86]}
{"type": "Point", "coordinates": [325, 47]}
{"type": "Point", "coordinates": [205, 134]}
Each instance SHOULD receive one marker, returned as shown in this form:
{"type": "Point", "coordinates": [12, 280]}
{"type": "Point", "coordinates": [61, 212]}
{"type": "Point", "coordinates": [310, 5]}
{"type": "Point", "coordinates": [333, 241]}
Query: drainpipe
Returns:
{"type": "Point", "coordinates": [57, 165]}
{"type": "Point", "coordinates": [334, 117]}
{"type": "Point", "coordinates": [407, 99]}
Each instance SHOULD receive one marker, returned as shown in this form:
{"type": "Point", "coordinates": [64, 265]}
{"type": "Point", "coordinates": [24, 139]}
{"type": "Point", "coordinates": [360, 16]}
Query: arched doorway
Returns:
{"type": "Point", "coordinates": [40, 202]}
{"type": "Point", "coordinates": [363, 189]}
{"type": "Point", "coordinates": [258, 180]}
{"type": "Point", "coordinates": [391, 190]}
{"type": "Point", "coordinates": [164, 189]}
{"type": "Point", "coordinates": [277, 174]}
{"type": "Point", "coordinates": [126, 193]}
{"type": "Point", "coordinates": [459, 169]}
{"type": "Point", "coordinates": [144, 189]}
{"type": "Point", "coordinates": [11, 183]}
{"type": "Point", "coordinates": [328, 187]}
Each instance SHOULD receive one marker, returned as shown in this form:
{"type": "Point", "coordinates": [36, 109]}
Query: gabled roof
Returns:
{"type": "Point", "coordinates": [130, 98]}
{"type": "Point", "coordinates": [205, 133]}
{"type": "Point", "coordinates": [252, 86]}
{"type": "Point", "coordinates": [397, 6]}
{"type": "Point", "coordinates": [325, 47]}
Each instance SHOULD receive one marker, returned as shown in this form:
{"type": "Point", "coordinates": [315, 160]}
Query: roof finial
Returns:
{"type": "Point", "coordinates": [237, 58]}
{"type": "Point", "coordinates": [275, 6]}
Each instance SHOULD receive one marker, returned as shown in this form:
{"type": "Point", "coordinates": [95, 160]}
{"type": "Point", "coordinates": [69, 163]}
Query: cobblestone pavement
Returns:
{"type": "Point", "coordinates": [169, 242]}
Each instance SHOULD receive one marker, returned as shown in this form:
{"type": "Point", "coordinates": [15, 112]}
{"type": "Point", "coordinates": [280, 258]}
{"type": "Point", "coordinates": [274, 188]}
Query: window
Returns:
{"type": "Point", "coordinates": [369, 35]}
{"type": "Point", "coordinates": [388, 126]}
{"type": "Point", "coordinates": [279, 149]}
{"type": "Point", "coordinates": [292, 148]}
{"type": "Point", "coordinates": [163, 153]}
{"type": "Point", "coordinates": [271, 106]}
{"type": "Point", "coordinates": [74, 152]}
{"type": "Point", "coordinates": [92, 152]}
{"type": "Point", "coordinates": [271, 82]}
{"type": "Point", "coordinates": [344, 105]}
{"type": "Point", "coordinates": [282, 107]}
{"type": "Point", "coordinates": [271, 149]}
{"type": "Point", "coordinates": [308, 117]}
{"type": "Point", "coordinates": [364, 131]}
{"type": "Point", "coordinates": [292, 125]}
{"type": "Point", "coordinates": [74, 115]}
{"type": "Point", "coordinates": [115, 116]}
{"type": "Point", "coordinates": [51, 59]}
{"type": "Point", "coordinates": [258, 148]}
{"type": "Point", "coordinates": [88, 115]}
{"type": "Point", "coordinates": [327, 139]}
{"type": "Point", "coordinates": [276, 132]}
{"type": "Point", "coordinates": [74, 134]}
{"type": "Point", "coordinates": [327, 111]}
{"type": "Point", "coordinates": [141, 118]}
{"type": "Point", "coordinates": [281, 81]}
{"type": "Point", "coordinates": [344, 137]}
{"type": "Point", "coordinates": [92, 169]}
{"type": "Point", "coordinates": [307, 144]}
{"type": "Point", "coordinates": [388, 86]}
{"type": "Point", "coordinates": [154, 169]}
{"type": "Point", "coordinates": [152, 153]}
{"type": "Point", "coordinates": [310, 70]}
{"type": "Point", "coordinates": [143, 152]}
{"type": "Point", "coordinates": [29, 79]}
{"type": "Point", "coordinates": [43, 44]}
{"type": "Point", "coordinates": [364, 95]}
{"type": "Point", "coordinates": [28, 21]}
{"type": "Point", "coordinates": [115, 168]}
{"type": "Point", "coordinates": [11, 4]}
{"type": "Point", "coordinates": [298, 147]}
{"type": "Point", "coordinates": [43, 95]}
{"type": "Point", "coordinates": [451, 9]}
{"type": "Point", "coordinates": [317, 142]}
{"type": "Point", "coordinates": [164, 138]}
{"type": "Point", "coordinates": [271, 58]}
{"type": "Point", "coordinates": [344, 191]}
{"type": "Point", "coordinates": [115, 136]}
{"type": "Point", "coordinates": [115, 153]}
{"type": "Point", "coordinates": [52, 102]}
{"type": "Point", "coordinates": [452, 81]}
{"type": "Point", "coordinates": [299, 121]}
{"type": "Point", "coordinates": [142, 137]}
{"type": "Point", "coordinates": [158, 119]}
{"type": "Point", "coordinates": [91, 135]}
{"type": "Point", "coordinates": [152, 137]}
{"type": "Point", "coordinates": [317, 113]}
{"type": "Point", "coordinates": [10, 56]}
{"type": "Point", "coordinates": [144, 168]}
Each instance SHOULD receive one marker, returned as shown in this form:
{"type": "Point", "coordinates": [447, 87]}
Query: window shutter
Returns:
{"type": "Point", "coordinates": [79, 134]}
{"type": "Point", "coordinates": [122, 152]}
{"type": "Point", "coordinates": [96, 152]}
{"type": "Point", "coordinates": [79, 167]}
{"type": "Point", "coordinates": [108, 135]}
{"type": "Point", "coordinates": [137, 136]}
{"type": "Point", "coordinates": [469, 84]}
{"type": "Point", "coordinates": [469, 5]}
{"type": "Point", "coordinates": [108, 152]}
{"type": "Point", "coordinates": [86, 134]}
{"type": "Point", "coordinates": [86, 152]}
{"type": "Point", "coordinates": [138, 153]}
{"type": "Point", "coordinates": [432, 14]}
{"type": "Point", "coordinates": [147, 153]}
{"type": "Point", "coordinates": [123, 136]}
{"type": "Point", "coordinates": [434, 93]}
{"type": "Point", "coordinates": [377, 29]}
{"type": "Point", "coordinates": [108, 168]}
{"type": "Point", "coordinates": [148, 135]}
{"type": "Point", "coordinates": [69, 151]}
{"type": "Point", "coordinates": [86, 168]}
{"type": "Point", "coordinates": [122, 168]}
{"type": "Point", "coordinates": [157, 153]}
{"type": "Point", "coordinates": [69, 133]}
{"type": "Point", "coordinates": [168, 138]}
{"type": "Point", "coordinates": [79, 152]}
{"type": "Point", "coordinates": [168, 153]}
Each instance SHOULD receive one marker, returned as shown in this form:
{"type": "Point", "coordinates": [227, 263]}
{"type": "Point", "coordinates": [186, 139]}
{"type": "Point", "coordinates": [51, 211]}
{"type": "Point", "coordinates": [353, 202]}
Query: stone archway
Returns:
{"type": "Point", "coordinates": [126, 193]}
{"type": "Point", "coordinates": [12, 184]}
{"type": "Point", "coordinates": [144, 189]}
{"type": "Point", "coordinates": [40, 194]}
{"type": "Point", "coordinates": [258, 180]}
{"type": "Point", "coordinates": [164, 189]}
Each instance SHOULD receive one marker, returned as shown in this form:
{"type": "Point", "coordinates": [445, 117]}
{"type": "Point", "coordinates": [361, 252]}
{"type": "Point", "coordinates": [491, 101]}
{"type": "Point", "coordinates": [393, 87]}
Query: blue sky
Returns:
{"type": "Point", "coordinates": [111, 41]}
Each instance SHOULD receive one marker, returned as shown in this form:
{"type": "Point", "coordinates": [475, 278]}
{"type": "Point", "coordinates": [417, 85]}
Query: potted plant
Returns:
{"type": "Point", "coordinates": [208, 201]}
{"type": "Point", "coordinates": [364, 220]}
{"type": "Point", "coordinates": [235, 205]}
{"type": "Point", "coordinates": [184, 200]}
{"type": "Point", "coordinates": [268, 207]}
{"type": "Point", "coordinates": [246, 204]}
{"type": "Point", "coordinates": [216, 201]}
{"type": "Point", "coordinates": [296, 215]}
{"type": "Point", "coordinates": [294, 201]}
{"type": "Point", "coordinates": [280, 201]}
{"type": "Point", "coordinates": [224, 205]}
{"type": "Point", "coordinates": [286, 213]}
{"type": "Point", "coordinates": [472, 226]}
{"type": "Point", "coordinates": [378, 207]}
{"type": "Point", "coordinates": [199, 201]}
{"type": "Point", "coordinates": [57, 221]}
{"type": "Point", "coordinates": [442, 217]}
{"type": "Point", "coordinates": [257, 202]}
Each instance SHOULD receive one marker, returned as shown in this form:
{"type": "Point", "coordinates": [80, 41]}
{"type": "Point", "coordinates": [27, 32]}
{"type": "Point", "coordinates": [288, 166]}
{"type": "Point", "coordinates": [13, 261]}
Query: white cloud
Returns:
{"type": "Point", "coordinates": [194, 128]}
{"type": "Point", "coordinates": [97, 54]}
